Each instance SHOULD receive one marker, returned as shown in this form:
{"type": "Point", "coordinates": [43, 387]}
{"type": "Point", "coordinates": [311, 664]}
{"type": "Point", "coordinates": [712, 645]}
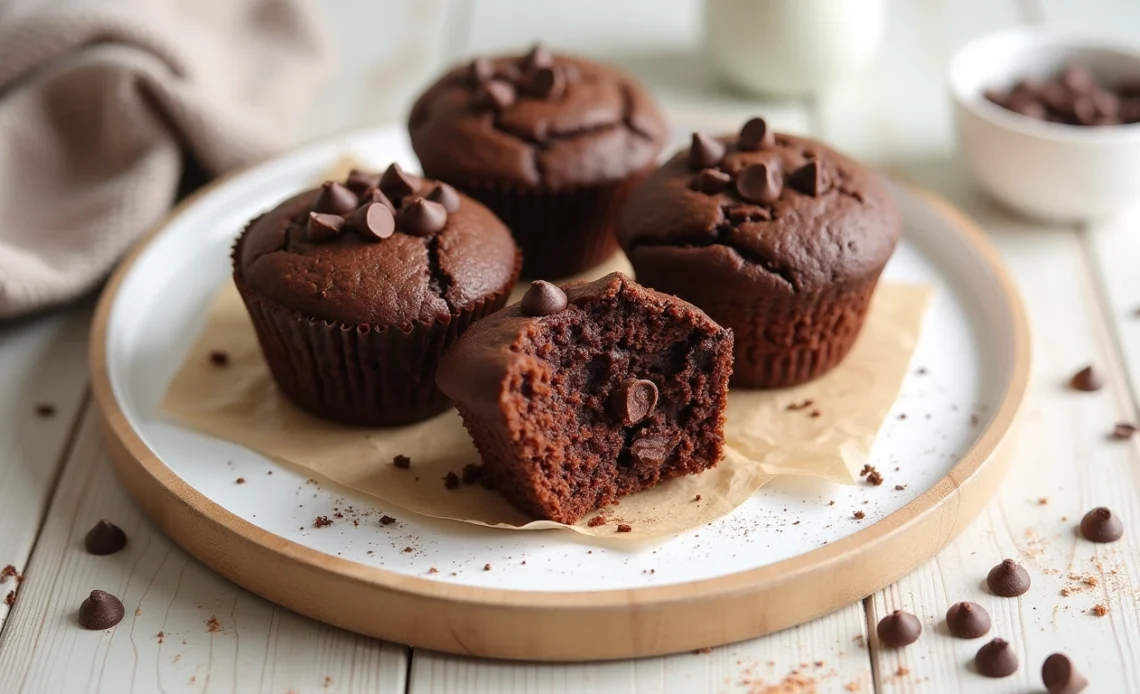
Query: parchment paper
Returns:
{"type": "Point", "coordinates": [239, 402]}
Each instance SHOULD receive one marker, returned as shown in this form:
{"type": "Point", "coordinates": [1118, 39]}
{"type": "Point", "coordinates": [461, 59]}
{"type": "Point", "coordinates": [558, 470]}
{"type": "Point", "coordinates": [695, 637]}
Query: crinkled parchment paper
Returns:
{"type": "Point", "coordinates": [769, 432]}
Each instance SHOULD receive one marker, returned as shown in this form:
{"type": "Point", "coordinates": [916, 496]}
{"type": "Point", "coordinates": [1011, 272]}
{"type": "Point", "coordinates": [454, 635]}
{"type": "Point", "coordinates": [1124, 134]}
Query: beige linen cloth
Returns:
{"type": "Point", "coordinates": [104, 103]}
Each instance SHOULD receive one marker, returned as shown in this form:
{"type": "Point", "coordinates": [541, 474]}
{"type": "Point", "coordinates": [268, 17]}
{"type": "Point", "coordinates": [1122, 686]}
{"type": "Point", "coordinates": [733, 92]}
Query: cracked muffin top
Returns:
{"type": "Point", "coordinates": [539, 120]}
{"type": "Point", "coordinates": [389, 249]}
{"type": "Point", "coordinates": [761, 212]}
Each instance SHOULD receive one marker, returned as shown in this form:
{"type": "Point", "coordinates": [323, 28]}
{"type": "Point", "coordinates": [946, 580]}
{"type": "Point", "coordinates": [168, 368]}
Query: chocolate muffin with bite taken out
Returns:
{"type": "Point", "coordinates": [578, 397]}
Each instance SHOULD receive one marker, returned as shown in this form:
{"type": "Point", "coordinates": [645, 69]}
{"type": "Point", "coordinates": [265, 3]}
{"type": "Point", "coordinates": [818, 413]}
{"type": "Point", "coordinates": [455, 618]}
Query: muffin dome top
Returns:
{"type": "Point", "coordinates": [535, 121]}
{"type": "Point", "coordinates": [762, 211]}
{"type": "Point", "coordinates": [378, 250]}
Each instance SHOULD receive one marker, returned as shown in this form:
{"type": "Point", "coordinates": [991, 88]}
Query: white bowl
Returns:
{"type": "Point", "coordinates": [1045, 170]}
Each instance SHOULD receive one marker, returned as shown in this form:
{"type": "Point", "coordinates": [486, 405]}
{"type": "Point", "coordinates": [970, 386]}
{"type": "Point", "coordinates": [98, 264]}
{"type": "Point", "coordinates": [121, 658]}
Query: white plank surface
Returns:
{"type": "Point", "coordinates": [255, 647]}
{"type": "Point", "coordinates": [1080, 285]}
{"type": "Point", "coordinates": [42, 362]}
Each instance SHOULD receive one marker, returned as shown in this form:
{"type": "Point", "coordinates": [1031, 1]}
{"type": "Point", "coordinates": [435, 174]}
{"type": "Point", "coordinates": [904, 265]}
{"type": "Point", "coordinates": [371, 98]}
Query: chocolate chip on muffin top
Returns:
{"type": "Point", "coordinates": [779, 213]}
{"type": "Point", "coordinates": [388, 249]}
{"type": "Point", "coordinates": [540, 120]}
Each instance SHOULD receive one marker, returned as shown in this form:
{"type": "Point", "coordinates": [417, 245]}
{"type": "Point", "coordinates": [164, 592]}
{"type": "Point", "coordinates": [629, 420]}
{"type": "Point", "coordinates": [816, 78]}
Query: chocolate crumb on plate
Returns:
{"type": "Point", "coordinates": [900, 487]}
{"type": "Point", "coordinates": [1060, 677]}
{"type": "Point", "coordinates": [697, 497]}
{"type": "Point", "coordinates": [859, 515]}
{"type": "Point", "coordinates": [45, 410]}
{"type": "Point", "coordinates": [104, 538]}
{"type": "Point", "coordinates": [219, 358]}
{"type": "Point", "coordinates": [240, 480]}
{"type": "Point", "coordinates": [1087, 379]}
{"type": "Point", "coordinates": [1099, 610]}
{"type": "Point", "coordinates": [321, 522]}
{"type": "Point", "coordinates": [624, 528]}
{"type": "Point", "coordinates": [967, 620]}
{"type": "Point", "coordinates": [596, 521]}
{"type": "Point", "coordinates": [7, 572]}
{"type": "Point", "coordinates": [451, 480]}
{"type": "Point", "coordinates": [702, 651]}
{"type": "Point", "coordinates": [472, 473]}
{"type": "Point", "coordinates": [1124, 430]}
{"type": "Point", "coordinates": [10, 598]}
{"type": "Point", "coordinates": [486, 567]}
{"type": "Point", "coordinates": [402, 461]}
{"type": "Point", "coordinates": [794, 407]}
{"type": "Point", "coordinates": [898, 629]}
{"type": "Point", "coordinates": [433, 570]}
{"type": "Point", "coordinates": [1102, 525]}
{"type": "Point", "coordinates": [100, 610]}
{"type": "Point", "coordinates": [1008, 579]}
{"type": "Point", "coordinates": [996, 659]}
{"type": "Point", "coordinates": [213, 625]}
{"type": "Point", "coordinates": [387, 520]}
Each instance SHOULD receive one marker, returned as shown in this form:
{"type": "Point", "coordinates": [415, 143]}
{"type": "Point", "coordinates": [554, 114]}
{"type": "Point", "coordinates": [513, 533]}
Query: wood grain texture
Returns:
{"type": "Point", "coordinates": [828, 654]}
{"type": "Point", "coordinates": [41, 364]}
{"type": "Point", "coordinates": [255, 646]}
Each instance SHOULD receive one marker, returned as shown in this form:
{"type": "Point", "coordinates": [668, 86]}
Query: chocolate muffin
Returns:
{"type": "Point", "coordinates": [357, 288]}
{"type": "Point", "coordinates": [551, 143]}
{"type": "Point", "coordinates": [577, 398]}
{"type": "Point", "coordinates": [777, 237]}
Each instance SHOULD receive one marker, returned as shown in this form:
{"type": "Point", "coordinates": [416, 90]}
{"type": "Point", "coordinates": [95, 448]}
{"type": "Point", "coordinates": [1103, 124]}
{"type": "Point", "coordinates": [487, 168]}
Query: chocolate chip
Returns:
{"type": "Point", "coordinates": [100, 611]}
{"type": "Point", "coordinates": [323, 227]}
{"type": "Point", "coordinates": [495, 95]}
{"type": "Point", "coordinates": [650, 451]}
{"type": "Point", "coordinates": [104, 538]}
{"type": "Point", "coordinates": [1087, 379]}
{"type": "Point", "coordinates": [397, 183]}
{"type": "Point", "coordinates": [1060, 677]}
{"type": "Point", "coordinates": [967, 620]}
{"type": "Point", "coordinates": [446, 196]}
{"type": "Point", "coordinates": [1123, 430]}
{"type": "Point", "coordinates": [1008, 579]}
{"type": "Point", "coordinates": [480, 70]}
{"type": "Point", "coordinates": [542, 299]}
{"type": "Point", "coordinates": [1101, 525]}
{"type": "Point", "coordinates": [633, 400]}
{"type": "Point", "coordinates": [1078, 78]}
{"type": "Point", "coordinates": [335, 199]}
{"type": "Point", "coordinates": [898, 629]}
{"type": "Point", "coordinates": [996, 659]}
{"type": "Point", "coordinates": [360, 180]}
{"type": "Point", "coordinates": [705, 152]}
{"type": "Point", "coordinates": [546, 83]}
{"type": "Point", "coordinates": [420, 217]}
{"type": "Point", "coordinates": [374, 194]}
{"type": "Point", "coordinates": [710, 181]}
{"type": "Point", "coordinates": [759, 183]}
{"type": "Point", "coordinates": [807, 179]}
{"type": "Point", "coordinates": [374, 221]}
{"type": "Point", "coordinates": [755, 134]}
{"type": "Point", "coordinates": [537, 57]}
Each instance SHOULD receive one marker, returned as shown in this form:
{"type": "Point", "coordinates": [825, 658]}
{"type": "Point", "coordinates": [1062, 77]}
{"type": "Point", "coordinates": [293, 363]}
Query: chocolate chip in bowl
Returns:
{"type": "Point", "coordinates": [1048, 122]}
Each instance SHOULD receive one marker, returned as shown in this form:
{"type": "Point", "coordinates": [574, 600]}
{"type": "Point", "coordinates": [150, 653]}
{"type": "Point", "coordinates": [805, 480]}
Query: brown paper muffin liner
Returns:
{"type": "Point", "coordinates": [367, 375]}
{"type": "Point", "coordinates": [784, 341]}
{"type": "Point", "coordinates": [561, 232]}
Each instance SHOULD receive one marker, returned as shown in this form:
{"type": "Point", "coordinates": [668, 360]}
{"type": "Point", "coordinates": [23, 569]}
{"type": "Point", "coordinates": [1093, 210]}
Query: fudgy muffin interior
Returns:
{"type": "Point", "coordinates": [568, 447]}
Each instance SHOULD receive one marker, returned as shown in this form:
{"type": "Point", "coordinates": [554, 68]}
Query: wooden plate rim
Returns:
{"type": "Point", "coordinates": [133, 457]}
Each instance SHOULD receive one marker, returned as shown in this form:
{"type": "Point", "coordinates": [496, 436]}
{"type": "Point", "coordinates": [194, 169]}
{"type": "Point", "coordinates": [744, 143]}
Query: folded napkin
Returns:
{"type": "Point", "coordinates": [105, 103]}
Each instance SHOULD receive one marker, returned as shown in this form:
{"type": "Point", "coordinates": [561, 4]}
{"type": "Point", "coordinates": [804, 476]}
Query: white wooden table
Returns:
{"type": "Point", "coordinates": [1080, 284]}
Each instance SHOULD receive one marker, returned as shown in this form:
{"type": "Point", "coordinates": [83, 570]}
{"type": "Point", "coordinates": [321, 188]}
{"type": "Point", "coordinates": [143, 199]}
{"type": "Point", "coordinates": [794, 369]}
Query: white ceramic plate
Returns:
{"type": "Point", "coordinates": [962, 370]}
